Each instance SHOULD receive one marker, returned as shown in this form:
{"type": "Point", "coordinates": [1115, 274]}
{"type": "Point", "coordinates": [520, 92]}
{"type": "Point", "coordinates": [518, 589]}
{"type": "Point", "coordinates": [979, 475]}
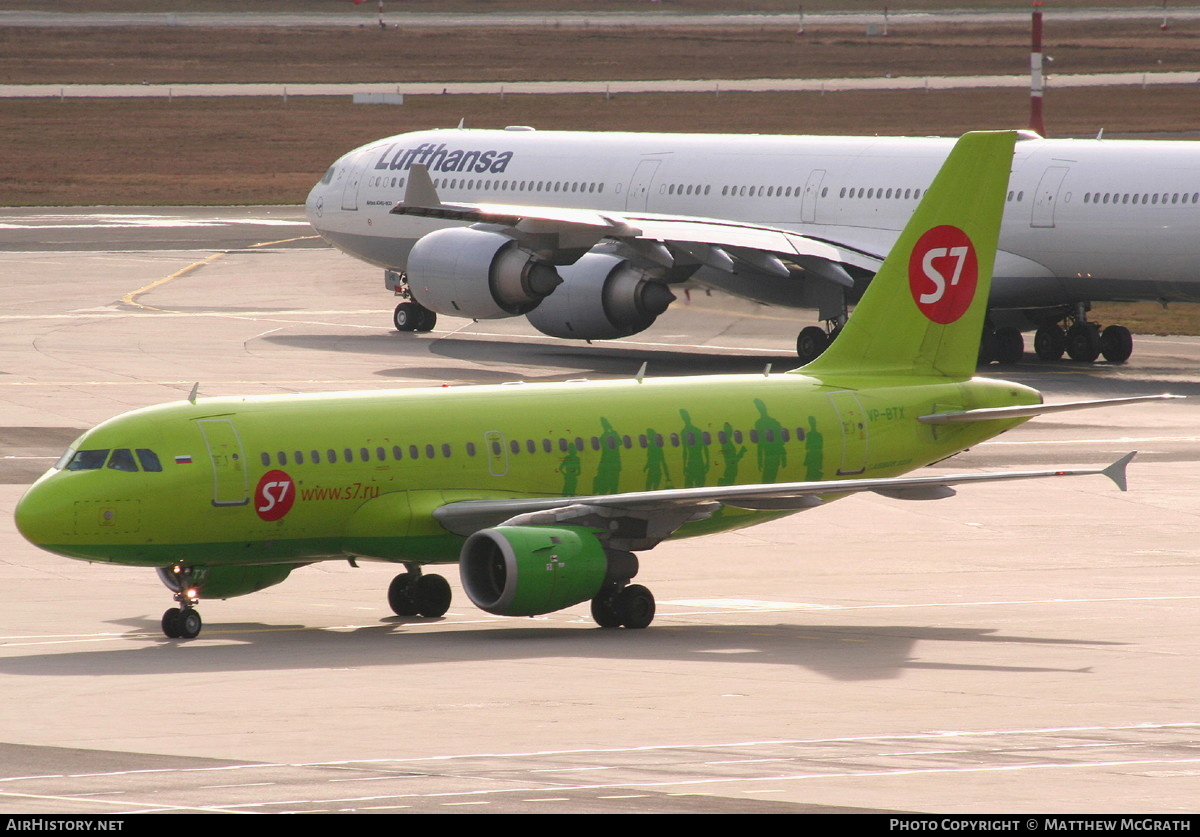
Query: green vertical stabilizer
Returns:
{"type": "Point", "coordinates": [924, 311]}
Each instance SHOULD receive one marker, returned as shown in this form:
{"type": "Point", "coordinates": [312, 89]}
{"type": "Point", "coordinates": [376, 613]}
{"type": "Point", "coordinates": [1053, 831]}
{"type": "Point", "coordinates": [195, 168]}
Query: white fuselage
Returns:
{"type": "Point", "coordinates": [1085, 219]}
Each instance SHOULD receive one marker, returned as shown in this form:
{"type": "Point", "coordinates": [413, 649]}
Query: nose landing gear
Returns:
{"type": "Point", "coordinates": [181, 622]}
{"type": "Point", "coordinates": [409, 315]}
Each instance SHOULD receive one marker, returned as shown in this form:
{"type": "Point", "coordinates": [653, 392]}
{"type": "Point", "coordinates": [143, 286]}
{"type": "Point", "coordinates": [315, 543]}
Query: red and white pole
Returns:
{"type": "Point", "coordinates": [1037, 85]}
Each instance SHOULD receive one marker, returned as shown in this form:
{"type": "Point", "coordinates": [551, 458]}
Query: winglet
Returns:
{"type": "Point", "coordinates": [420, 190]}
{"type": "Point", "coordinates": [1116, 471]}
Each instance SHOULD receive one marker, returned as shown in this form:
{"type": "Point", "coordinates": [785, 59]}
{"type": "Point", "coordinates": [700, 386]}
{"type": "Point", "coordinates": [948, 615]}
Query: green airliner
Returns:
{"type": "Point", "coordinates": [544, 493]}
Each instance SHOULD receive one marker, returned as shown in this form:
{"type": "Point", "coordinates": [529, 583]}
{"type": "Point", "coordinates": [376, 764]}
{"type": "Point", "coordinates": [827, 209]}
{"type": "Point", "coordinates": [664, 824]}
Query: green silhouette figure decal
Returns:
{"type": "Point", "coordinates": [569, 468]}
{"type": "Point", "coordinates": [731, 456]}
{"type": "Point", "coordinates": [656, 462]}
{"type": "Point", "coordinates": [772, 455]}
{"type": "Point", "coordinates": [695, 453]}
{"type": "Point", "coordinates": [814, 452]}
{"type": "Point", "coordinates": [608, 472]}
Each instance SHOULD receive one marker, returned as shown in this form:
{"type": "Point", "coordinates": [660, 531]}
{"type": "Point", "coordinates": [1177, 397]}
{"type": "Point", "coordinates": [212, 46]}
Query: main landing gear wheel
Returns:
{"type": "Point", "coordinates": [1116, 344]}
{"type": "Point", "coordinates": [181, 623]}
{"type": "Point", "coordinates": [631, 607]}
{"type": "Point", "coordinates": [604, 610]}
{"type": "Point", "coordinates": [1083, 342]}
{"type": "Point", "coordinates": [1001, 345]}
{"type": "Point", "coordinates": [1010, 345]}
{"type": "Point", "coordinates": [412, 594]}
{"type": "Point", "coordinates": [635, 605]}
{"type": "Point", "coordinates": [412, 316]}
{"type": "Point", "coordinates": [811, 343]}
{"type": "Point", "coordinates": [1050, 342]}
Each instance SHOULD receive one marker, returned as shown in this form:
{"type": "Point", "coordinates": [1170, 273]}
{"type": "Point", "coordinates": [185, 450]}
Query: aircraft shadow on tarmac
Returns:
{"type": "Point", "coordinates": [609, 360]}
{"type": "Point", "coordinates": [496, 360]}
{"type": "Point", "coordinates": [878, 652]}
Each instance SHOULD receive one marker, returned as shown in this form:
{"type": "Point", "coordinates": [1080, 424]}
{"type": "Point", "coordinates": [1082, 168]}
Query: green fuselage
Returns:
{"type": "Point", "coordinates": [295, 479]}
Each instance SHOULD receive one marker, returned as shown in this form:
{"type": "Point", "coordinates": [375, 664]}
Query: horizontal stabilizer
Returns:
{"type": "Point", "coordinates": [1116, 471]}
{"type": "Point", "coordinates": [998, 413]}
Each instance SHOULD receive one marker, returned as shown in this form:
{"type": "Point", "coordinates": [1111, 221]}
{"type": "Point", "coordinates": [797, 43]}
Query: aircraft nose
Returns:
{"type": "Point", "coordinates": [39, 516]}
{"type": "Point", "coordinates": [314, 206]}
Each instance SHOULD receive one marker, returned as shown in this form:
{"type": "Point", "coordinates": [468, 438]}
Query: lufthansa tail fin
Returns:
{"type": "Point", "coordinates": [923, 314]}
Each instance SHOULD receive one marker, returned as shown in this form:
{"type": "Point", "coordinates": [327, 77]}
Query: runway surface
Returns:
{"type": "Point", "coordinates": [1018, 648]}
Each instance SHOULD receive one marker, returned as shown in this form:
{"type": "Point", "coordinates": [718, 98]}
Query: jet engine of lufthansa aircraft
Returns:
{"type": "Point", "coordinates": [487, 275]}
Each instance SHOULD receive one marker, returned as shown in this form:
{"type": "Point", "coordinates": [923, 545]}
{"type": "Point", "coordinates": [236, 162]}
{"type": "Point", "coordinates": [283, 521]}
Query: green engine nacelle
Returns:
{"type": "Point", "coordinates": [228, 582]}
{"type": "Point", "coordinates": [530, 570]}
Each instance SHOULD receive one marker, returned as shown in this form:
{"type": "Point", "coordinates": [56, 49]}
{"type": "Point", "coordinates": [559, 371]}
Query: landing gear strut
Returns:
{"type": "Point", "coordinates": [181, 622]}
{"type": "Point", "coordinates": [414, 594]}
{"type": "Point", "coordinates": [409, 315]}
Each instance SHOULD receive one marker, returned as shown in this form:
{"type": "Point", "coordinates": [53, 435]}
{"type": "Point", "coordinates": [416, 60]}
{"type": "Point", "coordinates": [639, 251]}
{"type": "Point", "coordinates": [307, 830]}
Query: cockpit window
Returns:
{"type": "Point", "coordinates": [122, 460]}
{"type": "Point", "coordinates": [325, 181]}
{"type": "Point", "coordinates": [87, 460]}
{"type": "Point", "coordinates": [149, 460]}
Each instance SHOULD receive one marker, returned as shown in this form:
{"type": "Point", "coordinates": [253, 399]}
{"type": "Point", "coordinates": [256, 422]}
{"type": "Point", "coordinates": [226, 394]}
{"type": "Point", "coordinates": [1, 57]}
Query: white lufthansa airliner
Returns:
{"type": "Point", "coordinates": [586, 233]}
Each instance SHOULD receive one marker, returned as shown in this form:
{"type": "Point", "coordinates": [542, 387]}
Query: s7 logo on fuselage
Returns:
{"type": "Point", "coordinates": [274, 495]}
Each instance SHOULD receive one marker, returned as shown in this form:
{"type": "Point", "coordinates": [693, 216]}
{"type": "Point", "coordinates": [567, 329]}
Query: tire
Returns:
{"type": "Point", "coordinates": [1010, 345]}
{"type": "Point", "coordinates": [1083, 342]}
{"type": "Point", "coordinates": [190, 624]}
{"type": "Point", "coordinates": [1116, 344]}
{"type": "Point", "coordinates": [1050, 342]}
{"type": "Point", "coordinates": [635, 606]}
{"type": "Point", "coordinates": [428, 320]}
{"type": "Point", "coordinates": [811, 343]}
{"type": "Point", "coordinates": [432, 596]}
{"type": "Point", "coordinates": [400, 595]}
{"type": "Point", "coordinates": [604, 611]}
{"type": "Point", "coordinates": [408, 316]}
{"type": "Point", "coordinates": [171, 624]}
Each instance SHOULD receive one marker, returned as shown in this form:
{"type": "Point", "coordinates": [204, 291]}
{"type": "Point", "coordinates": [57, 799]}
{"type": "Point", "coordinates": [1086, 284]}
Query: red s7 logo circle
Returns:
{"type": "Point", "coordinates": [943, 272]}
{"type": "Point", "coordinates": [274, 495]}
